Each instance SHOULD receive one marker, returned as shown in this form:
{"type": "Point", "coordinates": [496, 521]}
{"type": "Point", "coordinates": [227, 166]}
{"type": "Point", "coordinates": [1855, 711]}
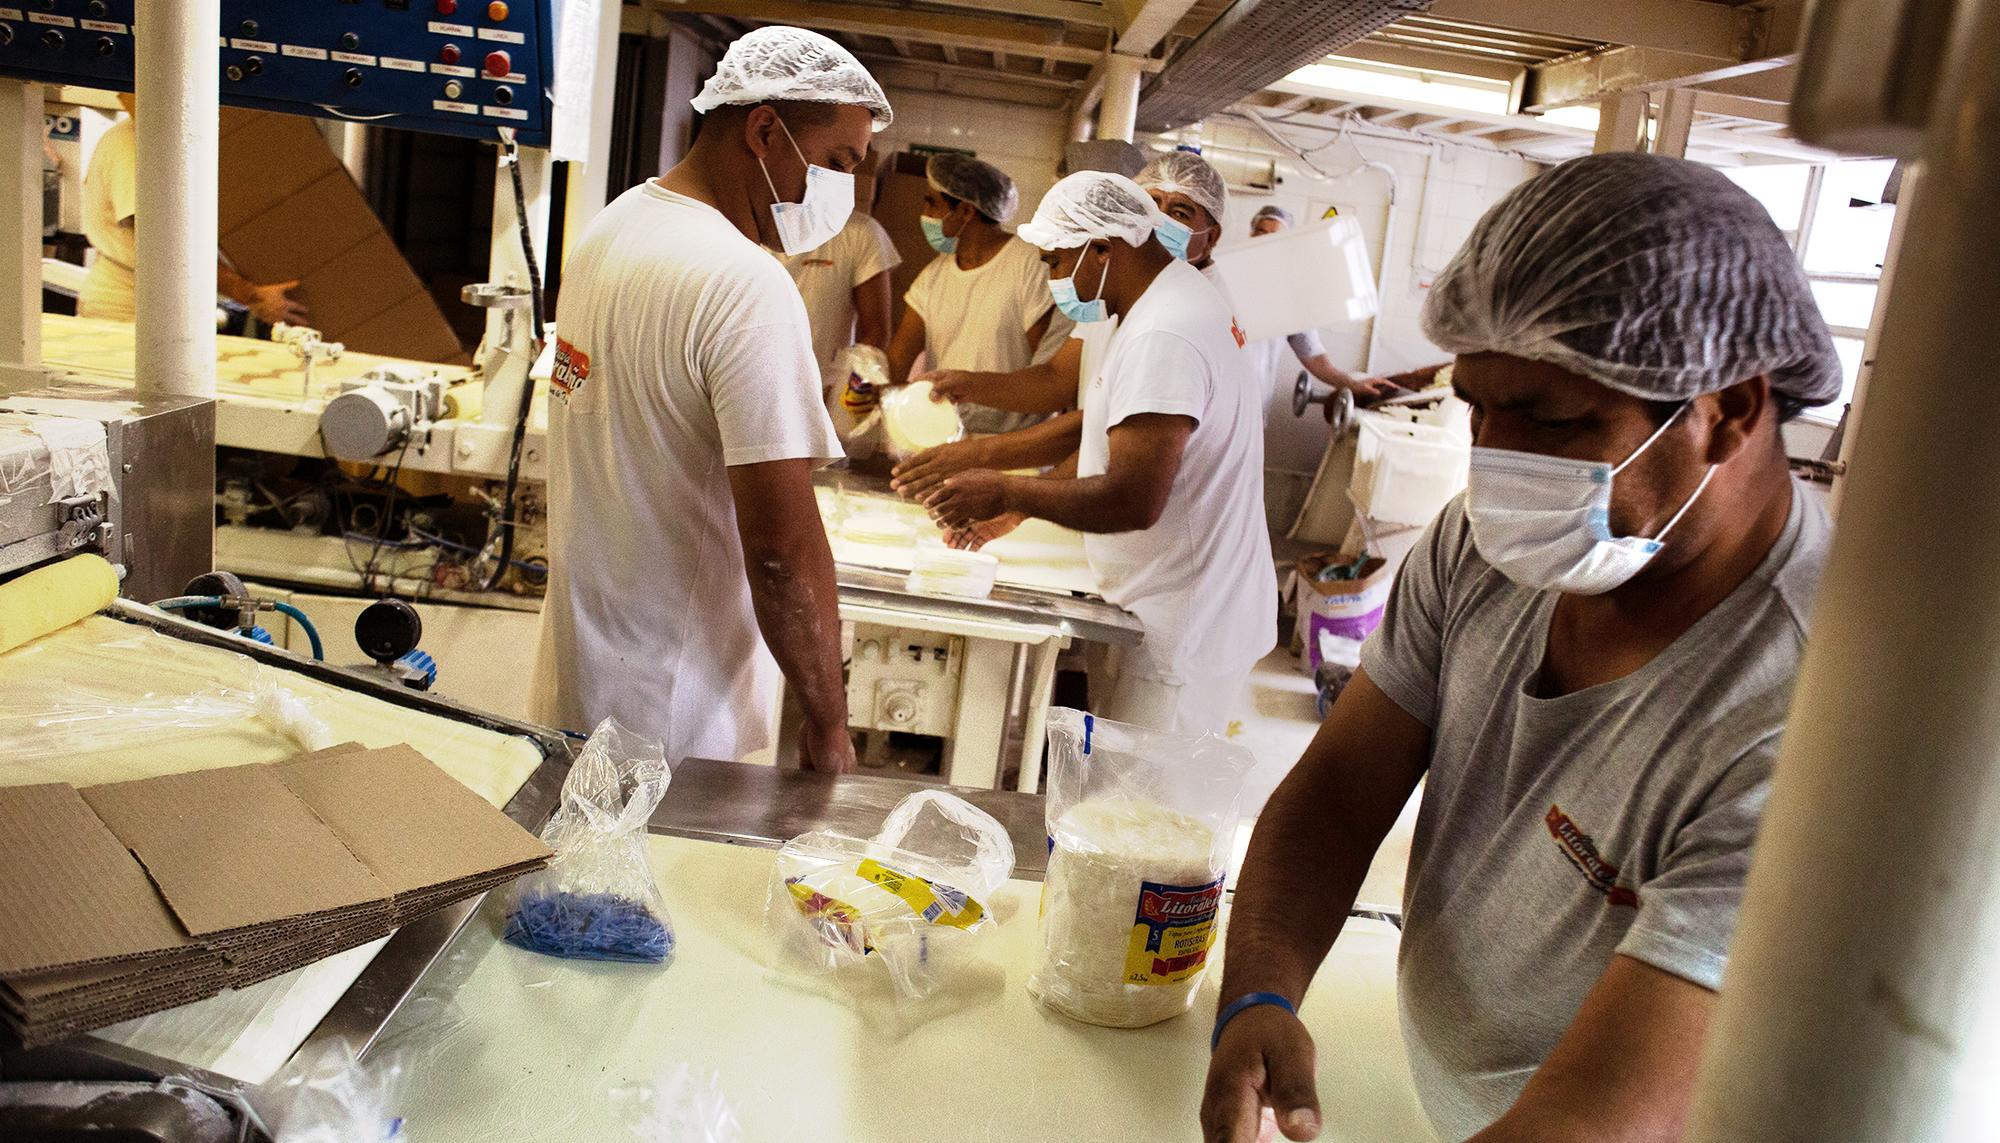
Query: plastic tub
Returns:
{"type": "Point", "coordinates": [1403, 472]}
{"type": "Point", "coordinates": [1310, 277]}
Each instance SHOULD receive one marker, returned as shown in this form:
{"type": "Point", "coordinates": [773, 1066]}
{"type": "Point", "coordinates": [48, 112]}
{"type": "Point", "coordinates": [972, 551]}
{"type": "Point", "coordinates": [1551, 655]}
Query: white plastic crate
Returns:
{"type": "Point", "coordinates": [1311, 277]}
{"type": "Point", "coordinates": [1404, 472]}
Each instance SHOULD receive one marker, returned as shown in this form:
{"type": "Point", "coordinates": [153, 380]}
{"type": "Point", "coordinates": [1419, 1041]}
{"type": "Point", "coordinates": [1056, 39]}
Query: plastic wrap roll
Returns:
{"type": "Point", "coordinates": [51, 598]}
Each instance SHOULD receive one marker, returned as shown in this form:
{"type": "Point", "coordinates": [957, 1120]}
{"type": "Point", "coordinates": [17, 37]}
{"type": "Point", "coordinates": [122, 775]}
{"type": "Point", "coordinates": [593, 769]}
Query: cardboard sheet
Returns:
{"type": "Point", "coordinates": [234, 847]}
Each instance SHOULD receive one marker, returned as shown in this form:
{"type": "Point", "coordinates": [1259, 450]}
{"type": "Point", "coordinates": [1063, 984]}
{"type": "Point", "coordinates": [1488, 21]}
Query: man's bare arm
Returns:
{"type": "Point", "coordinates": [1131, 494]}
{"type": "Point", "coordinates": [790, 567]}
{"type": "Point", "coordinates": [1048, 387]}
{"type": "Point", "coordinates": [1033, 447]}
{"type": "Point", "coordinates": [871, 312]}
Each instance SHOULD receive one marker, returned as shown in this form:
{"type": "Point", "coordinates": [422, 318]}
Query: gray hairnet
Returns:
{"type": "Point", "coordinates": [782, 63]}
{"type": "Point", "coordinates": [1272, 210]}
{"type": "Point", "coordinates": [1655, 276]}
{"type": "Point", "coordinates": [1184, 172]}
{"type": "Point", "coordinates": [984, 185]}
{"type": "Point", "coordinates": [1088, 205]}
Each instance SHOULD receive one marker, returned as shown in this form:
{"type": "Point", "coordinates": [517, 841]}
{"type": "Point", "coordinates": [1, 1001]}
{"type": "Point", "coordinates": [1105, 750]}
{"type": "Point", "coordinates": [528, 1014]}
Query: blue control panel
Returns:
{"type": "Point", "coordinates": [457, 67]}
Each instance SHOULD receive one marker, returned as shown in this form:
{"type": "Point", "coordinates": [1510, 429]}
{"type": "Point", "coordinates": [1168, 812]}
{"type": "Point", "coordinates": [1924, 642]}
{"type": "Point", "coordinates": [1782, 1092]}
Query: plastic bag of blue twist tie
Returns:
{"type": "Point", "coordinates": [598, 899]}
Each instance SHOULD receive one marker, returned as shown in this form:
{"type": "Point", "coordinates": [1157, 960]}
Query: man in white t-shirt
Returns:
{"type": "Point", "coordinates": [1167, 485]}
{"type": "Point", "coordinates": [983, 303]}
{"type": "Point", "coordinates": [845, 285]}
{"type": "Point", "coordinates": [687, 424]}
{"type": "Point", "coordinates": [110, 210]}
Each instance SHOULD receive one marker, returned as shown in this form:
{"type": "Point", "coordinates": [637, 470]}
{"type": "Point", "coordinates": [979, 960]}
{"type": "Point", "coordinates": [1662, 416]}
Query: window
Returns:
{"type": "Point", "coordinates": [1832, 216]}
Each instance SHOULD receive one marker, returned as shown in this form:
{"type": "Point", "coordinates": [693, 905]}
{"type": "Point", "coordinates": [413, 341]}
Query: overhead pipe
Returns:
{"type": "Point", "coordinates": [178, 129]}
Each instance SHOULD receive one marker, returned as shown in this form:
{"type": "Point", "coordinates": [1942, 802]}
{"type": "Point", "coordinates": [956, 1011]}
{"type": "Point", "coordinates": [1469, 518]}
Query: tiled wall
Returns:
{"type": "Point", "coordinates": [1025, 142]}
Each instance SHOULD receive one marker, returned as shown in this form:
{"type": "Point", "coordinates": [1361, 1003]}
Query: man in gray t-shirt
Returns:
{"type": "Point", "coordinates": [1588, 659]}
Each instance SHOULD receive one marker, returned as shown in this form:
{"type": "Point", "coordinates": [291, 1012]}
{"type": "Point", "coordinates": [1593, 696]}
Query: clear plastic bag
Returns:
{"type": "Point", "coordinates": [679, 1106]}
{"type": "Point", "coordinates": [598, 900]}
{"type": "Point", "coordinates": [913, 898]}
{"type": "Point", "coordinates": [328, 1096]}
{"type": "Point", "coordinates": [1142, 825]}
{"type": "Point", "coordinates": [56, 718]}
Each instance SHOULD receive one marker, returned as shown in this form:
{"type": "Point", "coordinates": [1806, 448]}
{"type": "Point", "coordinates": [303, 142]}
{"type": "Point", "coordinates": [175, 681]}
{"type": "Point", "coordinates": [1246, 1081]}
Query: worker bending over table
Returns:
{"type": "Point", "coordinates": [845, 286]}
{"type": "Point", "coordinates": [1167, 484]}
{"type": "Point", "coordinates": [1589, 655]}
{"type": "Point", "coordinates": [983, 302]}
{"type": "Point", "coordinates": [687, 422]}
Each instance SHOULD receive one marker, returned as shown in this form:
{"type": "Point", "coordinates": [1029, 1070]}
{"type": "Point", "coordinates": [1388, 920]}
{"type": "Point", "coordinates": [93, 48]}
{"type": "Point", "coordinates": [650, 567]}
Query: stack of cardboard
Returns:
{"type": "Point", "coordinates": [132, 897]}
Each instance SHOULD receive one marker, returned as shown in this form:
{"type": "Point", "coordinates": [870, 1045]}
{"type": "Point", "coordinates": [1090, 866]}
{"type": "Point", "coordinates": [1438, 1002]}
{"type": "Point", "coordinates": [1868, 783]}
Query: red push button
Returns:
{"type": "Point", "coordinates": [498, 65]}
{"type": "Point", "coordinates": [447, 7]}
{"type": "Point", "coordinates": [448, 54]}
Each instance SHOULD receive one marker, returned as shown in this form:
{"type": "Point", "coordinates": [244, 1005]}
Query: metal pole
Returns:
{"type": "Point", "coordinates": [1862, 1001]}
{"type": "Point", "coordinates": [178, 128]}
{"type": "Point", "coordinates": [1677, 109]}
{"type": "Point", "coordinates": [1119, 113]}
{"type": "Point", "coordinates": [1905, 204]}
{"type": "Point", "coordinates": [21, 234]}
{"type": "Point", "coordinates": [1621, 121]}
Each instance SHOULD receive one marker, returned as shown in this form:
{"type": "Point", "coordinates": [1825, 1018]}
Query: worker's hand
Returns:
{"type": "Point", "coordinates": [948, 384]}
{"type": "Point", "coordinates": [1369, 390]}
{"type": "Point", "coordinates": [830, 751]}
{"type": "Point", "coordinates": [966, 499]}
{"type": "Point", "coordinates": [983, 533]}
{"type": "Point", "coordinates": [917, 476]}
{"type": "Point", "coordinates": [272, 304]}
{"type": "Point", "coordinates": [1266, 1059]}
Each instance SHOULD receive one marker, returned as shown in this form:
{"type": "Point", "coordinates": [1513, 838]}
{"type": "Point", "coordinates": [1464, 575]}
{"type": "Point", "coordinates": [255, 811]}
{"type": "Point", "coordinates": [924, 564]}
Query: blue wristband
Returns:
{"type": "Point", "coordinates": [1242, 1004]}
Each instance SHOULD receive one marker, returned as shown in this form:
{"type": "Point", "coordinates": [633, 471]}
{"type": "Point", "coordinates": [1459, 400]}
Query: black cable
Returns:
{"type": "Point", "coordinates": [388, 513]}
{"type": "Point", "coordinates": [506, 521]}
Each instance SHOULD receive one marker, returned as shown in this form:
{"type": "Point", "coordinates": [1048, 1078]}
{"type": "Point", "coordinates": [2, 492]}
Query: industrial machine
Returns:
{"type": "Point", "coordinates": [429, 65]}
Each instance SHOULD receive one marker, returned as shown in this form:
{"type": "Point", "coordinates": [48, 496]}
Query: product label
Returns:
{"type": "Point", "coordinates": [505, 112]}
{"type": "Point", "coordinates": [253, 45]}
{"type": "Point", "coordinates": [394, 64]}
{"type": "Point", "coordinates": [355, 58]}
{"type": "Point", "coordinates": [1172, 932]}
{"type": "Point", "coordinates": [301, 52]}
{"type": "Point", "coordinates": [837, 922]}
{"type": "Point", "coordinates": [502, 35]}
{"type": "Point", "coordinates": [938, 904]}
{"type": "Point", "coordinates": [460, 108]}
{"type": "Point", "coordinates": [444, 29]}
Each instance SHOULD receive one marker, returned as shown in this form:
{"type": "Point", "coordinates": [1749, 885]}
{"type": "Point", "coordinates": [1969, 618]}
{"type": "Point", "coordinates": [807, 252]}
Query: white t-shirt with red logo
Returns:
{"type": "Point", "coordinates": [1201, 578]}
{"type": "Point", "coordinates": [682, 350]}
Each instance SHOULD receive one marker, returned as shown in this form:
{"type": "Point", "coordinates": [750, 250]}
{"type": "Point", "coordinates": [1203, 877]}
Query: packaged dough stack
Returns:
{"type": "Point", "coordinates": [1140, 830]}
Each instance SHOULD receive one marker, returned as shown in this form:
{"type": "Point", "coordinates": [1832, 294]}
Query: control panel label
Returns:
{"type": "Point", "coordinates": [355, 58]}
{"type": "Point", "coordinates": [253, 45]}
{"type": "Point", "coordinates": [93, 25]}
{"type": "Point", "coordinates": [45, 18]}
{"type": "Point", "coordinates": [394, 64]}
{"type": "Point", "coordinates": [504, 112]}
{"type": "Point", "coordinates": [460, 108]}
{"type": "Point", "coordinates": [452, 69]}
{"type": "Point", "coordinates": [444, 29]}
{"type": "Point", "coordinates": [298, 51]}
{"type": "Point", "coordinates": [10, 14]}
{"type": "Point", "coordinates": [501, 35]}
{"type": "Point", "coordinates": [514, 77]}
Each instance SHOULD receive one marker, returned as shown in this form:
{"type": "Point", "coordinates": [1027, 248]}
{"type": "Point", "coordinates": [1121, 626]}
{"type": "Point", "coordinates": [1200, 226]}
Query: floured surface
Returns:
{"type": "Point", "coordinates": [1037, 555]}
{"type": "Point", "coordinates": [246, 1034]}
{"type": "Point", "coordinates": [504, 1043]}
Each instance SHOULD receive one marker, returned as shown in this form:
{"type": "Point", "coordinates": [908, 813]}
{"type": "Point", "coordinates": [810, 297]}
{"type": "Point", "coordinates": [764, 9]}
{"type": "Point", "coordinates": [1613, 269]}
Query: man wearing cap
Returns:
{"type": "Point", "coordinates": [1588, 658]}
{"type": "Point", "coordinates": [983, 302]}
{"type": "Point", "coordinates": [1167, 483]}
{"type": "Point", "coordinates": [690, 566]}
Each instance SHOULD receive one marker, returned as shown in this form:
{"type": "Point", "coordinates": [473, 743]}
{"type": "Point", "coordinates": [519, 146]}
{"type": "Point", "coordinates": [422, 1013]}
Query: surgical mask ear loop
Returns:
{"type": "Point", "coordinates": [795, 151]}
{"type": "Point", "coordinates": [1101, 278]}
{"type": "Point", "coordinates": [1657, 434]}
{"type": "Point", "coordinates": [1698, 490]}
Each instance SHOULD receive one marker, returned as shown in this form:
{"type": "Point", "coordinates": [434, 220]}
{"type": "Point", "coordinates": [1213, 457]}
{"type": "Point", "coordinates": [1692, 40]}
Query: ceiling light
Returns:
{"type": "Point", "coordinates": [1401, 86]}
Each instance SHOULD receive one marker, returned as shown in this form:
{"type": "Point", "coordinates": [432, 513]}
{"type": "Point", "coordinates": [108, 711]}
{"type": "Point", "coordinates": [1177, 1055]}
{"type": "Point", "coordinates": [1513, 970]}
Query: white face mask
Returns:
{"type": "Point", "coordinates": [1545, 522]}
{"type": "Point", "coordinates": [812, 222]}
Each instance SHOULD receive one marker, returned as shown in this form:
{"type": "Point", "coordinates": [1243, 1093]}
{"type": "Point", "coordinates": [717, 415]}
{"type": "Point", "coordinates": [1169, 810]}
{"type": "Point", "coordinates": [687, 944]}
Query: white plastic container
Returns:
{"type": "Point", "coordinates": [913, 422]}
{"type": "Point", "coordinates": [948, 571]}
{"type": "Point", "coordinates": [1310, 277]}
{"type": "Point", "coordinates": [1403, 472]}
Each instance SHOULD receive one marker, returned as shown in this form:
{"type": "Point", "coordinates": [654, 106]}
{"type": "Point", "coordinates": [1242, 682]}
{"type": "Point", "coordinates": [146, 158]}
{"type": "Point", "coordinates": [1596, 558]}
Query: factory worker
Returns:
{"type": "Point", "coordinates": [845, 285]}
{"type": "Point", "coordinates": [1588, 658]}
{"type": "Point", "coordinates": [1167, 485]}
{"type": "Point", "coordinates": [983, 303]}
{"type": "Point", "coordinates": [110, 210]}
{"type": "Point", "coordinates": [687, 421]}
{"type": "Point", "coordinates": [1306, 345]}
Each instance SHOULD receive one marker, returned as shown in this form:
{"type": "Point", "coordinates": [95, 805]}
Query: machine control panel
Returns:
{"type": "Point", "coordinates": [442, 66]}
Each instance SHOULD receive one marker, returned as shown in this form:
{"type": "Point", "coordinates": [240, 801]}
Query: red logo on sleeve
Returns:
{"type": "Point", "coordinates": [572, 369]}
{"type": "Point", "coordinates": [1236, 331]}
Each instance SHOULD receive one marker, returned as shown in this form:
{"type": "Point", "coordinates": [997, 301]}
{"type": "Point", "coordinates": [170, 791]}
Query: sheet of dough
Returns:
{"type": "Point", "coordinates": [511, 1045]}
{"type": "Point", "coordinates": [1037, 555]}
{"type": "Point", "coordinates": [246, 1034]}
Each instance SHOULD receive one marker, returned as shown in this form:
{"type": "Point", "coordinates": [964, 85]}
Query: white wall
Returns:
{"type": "Point", "coordinates": [1026, 142]}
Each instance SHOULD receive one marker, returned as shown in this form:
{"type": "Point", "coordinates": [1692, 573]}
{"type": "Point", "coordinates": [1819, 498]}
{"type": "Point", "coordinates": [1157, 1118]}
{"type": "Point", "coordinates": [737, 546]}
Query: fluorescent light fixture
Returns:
{"type": "Point", "coordinates": [1398, 85]}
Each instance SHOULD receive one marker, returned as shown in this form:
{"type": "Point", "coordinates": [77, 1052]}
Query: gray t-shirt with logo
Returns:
{"type": "Point", "coordinates": [1555, 832]}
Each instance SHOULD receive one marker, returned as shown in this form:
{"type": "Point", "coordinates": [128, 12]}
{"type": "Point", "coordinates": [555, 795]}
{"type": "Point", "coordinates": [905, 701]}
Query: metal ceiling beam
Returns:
{"type": "Point", "coordinates": [1590, 78]}
{"type": "Point", "coordinates": [1716, 103]}
{"type": "Point", "coordinates": [1039, 82]}
{"type": "Point", "coordinates": [1692, 27]}
{"type": "Point", "coordinates": [1089, 12]}
{"type": "Point", "coordinates": [943, 29]}
{"type": "Point", "coordinates": [1773, 86]}
{"type": "Point", "coordinates": [1430, 59]}
{"type": "Point", "coordinates": [1147, 22]}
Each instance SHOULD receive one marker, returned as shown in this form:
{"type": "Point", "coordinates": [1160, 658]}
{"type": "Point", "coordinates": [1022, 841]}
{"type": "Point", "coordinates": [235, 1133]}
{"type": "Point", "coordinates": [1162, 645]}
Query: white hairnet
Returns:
{"type": "Point", "coordinates": [984, 185]}
{"type": "Point", "coordinates": [1655, 276]}
{"type": "Point", "coordinates": [783, 63]}
{"type": "Point", "coordinates": [1092, 204]}
{"type": "Point", "coordinates": [1184, 172]}
{"type": "Point", "coordinates": [1272, 210]}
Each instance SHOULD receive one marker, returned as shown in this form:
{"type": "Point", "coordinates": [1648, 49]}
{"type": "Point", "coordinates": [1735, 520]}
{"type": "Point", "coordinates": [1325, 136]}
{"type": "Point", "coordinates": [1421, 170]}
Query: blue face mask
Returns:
{"type": "Point", "coordinates": [1074, 308]}
{"type": "Point", "coordinates": [1175, 236]}
{"type": "Point", "coordinates": [935, 235]}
